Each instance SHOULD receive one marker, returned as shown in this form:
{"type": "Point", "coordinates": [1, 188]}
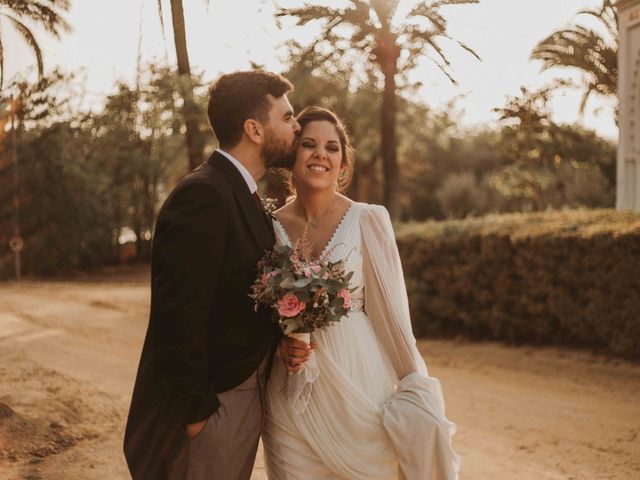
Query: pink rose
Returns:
{"type": "Point", "coordinates": [310, 270]}
{"type": "Point", "coordinates": [289, 305]}
{"type": "Point", "coordinates": [344, 293]}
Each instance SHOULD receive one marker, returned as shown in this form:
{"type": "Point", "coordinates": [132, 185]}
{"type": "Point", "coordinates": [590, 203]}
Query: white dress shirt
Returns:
{"type": "Point", "coordinates": [251, 183]}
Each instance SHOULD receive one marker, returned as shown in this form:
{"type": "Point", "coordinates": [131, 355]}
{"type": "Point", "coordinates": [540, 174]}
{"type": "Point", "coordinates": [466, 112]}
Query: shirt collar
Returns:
{"type": "Point", "coordinates": [251, 183]}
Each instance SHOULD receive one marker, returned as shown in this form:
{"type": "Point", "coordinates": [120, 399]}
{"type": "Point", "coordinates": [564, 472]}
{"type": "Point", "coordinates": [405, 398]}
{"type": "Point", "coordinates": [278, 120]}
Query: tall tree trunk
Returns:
{"type": "Point", "coordinates": [16, 241]}
{"type": "Point", "coordinates": [388, 134]}
{"type": "Point", "coordinates": [194, 146]}
{"type": "Point", "coordinates": [117, 217]}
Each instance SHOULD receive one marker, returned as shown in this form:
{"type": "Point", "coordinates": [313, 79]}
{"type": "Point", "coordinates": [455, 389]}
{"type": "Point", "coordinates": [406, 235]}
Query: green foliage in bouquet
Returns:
{"type": "Point", "coordinates": [303, 294]}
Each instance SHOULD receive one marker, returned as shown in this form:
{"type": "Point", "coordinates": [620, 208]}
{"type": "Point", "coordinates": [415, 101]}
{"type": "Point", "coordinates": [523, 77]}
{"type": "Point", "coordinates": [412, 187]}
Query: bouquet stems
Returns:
{"type": "Point", "coordinates": [303, 337]}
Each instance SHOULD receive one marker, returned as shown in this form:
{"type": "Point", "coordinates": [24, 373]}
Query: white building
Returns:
{"type": "Point", "coordinates": [628, 168]}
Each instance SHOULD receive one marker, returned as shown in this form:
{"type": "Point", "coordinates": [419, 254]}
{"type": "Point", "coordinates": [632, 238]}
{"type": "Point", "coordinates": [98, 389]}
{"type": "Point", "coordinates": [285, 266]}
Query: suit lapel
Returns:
{"type": "Point", "coordinates": [254, 216]}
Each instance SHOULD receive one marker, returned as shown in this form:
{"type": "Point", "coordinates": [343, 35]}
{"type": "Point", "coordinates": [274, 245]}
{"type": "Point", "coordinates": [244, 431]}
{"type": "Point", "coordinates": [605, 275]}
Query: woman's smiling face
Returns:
{"type": "Point", "coordinates": [318, 157]}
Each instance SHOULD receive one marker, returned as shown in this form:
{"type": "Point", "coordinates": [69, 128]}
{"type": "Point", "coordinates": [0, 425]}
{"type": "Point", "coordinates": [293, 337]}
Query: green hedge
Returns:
{"type": "Point", "coordinates": [569, 277]}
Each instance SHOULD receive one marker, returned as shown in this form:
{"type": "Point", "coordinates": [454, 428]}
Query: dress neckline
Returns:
{"type": "Point", "coordinates": [331, 239]}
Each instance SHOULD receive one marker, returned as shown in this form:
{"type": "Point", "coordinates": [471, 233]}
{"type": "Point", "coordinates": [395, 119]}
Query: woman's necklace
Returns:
{"type": "Point", "coordinates": [316, 223]}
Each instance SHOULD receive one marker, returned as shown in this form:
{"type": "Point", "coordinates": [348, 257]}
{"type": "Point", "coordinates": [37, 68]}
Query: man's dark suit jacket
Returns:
{"type": "Point", "coordinates": [204, 336]}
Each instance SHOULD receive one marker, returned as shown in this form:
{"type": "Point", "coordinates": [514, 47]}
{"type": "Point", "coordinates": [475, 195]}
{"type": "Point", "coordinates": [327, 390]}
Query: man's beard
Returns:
{"type": "Point", "coordinates": [276, 152]}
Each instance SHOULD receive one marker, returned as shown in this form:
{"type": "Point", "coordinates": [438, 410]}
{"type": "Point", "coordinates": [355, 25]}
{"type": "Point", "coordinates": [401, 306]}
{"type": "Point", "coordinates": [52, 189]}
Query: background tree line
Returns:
{"type": "Point", "coordinates": [88, 182]}
{"type": "Point", "coordinates": [85, 187]}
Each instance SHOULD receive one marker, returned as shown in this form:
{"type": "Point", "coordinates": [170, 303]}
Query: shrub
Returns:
{"type": "Point", "coordinates": [569, 277]}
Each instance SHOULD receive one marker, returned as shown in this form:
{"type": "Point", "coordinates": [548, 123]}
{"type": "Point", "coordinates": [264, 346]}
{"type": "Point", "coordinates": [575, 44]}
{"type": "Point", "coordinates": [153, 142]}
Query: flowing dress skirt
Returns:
{"type": "Point", "coordinates": [340, 434]}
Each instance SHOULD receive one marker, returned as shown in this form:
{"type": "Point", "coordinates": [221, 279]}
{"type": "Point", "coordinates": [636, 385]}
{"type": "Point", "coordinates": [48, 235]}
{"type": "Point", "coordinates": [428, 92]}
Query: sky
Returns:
{"type": "Point", "coordinates": [230, 34]}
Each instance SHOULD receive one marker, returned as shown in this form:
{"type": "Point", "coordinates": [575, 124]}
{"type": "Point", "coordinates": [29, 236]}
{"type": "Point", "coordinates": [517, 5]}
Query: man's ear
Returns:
{"type": "Point", "coordinates": [254, 130]}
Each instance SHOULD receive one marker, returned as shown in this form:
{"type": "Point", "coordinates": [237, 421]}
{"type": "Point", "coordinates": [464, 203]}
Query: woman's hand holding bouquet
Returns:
{"type": "Point", "coordinates": [303, 294]}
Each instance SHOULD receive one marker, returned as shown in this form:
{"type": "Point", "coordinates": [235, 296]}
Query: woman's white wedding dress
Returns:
{"type": "Point", "coordinates": [373, 411]}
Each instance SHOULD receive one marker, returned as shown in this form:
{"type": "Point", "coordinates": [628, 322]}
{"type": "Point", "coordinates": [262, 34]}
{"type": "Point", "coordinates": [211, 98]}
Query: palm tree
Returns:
{"type": "Point", "coordinates": [43, 13]}
{"type": "Point", "coordinates": [393, 47]}
{"type": "Point", "coordinates": [192, 137]}
{"type": "Point", "coordinates": [588, 51]}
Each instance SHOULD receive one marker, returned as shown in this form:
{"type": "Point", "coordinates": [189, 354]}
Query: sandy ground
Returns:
{"type": "Point", "coordinates": [69, 352]}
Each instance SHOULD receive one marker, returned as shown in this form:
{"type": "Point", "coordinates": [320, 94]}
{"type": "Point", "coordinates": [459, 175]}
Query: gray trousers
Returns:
{"type": "Point", "coordinates": [226, 447]}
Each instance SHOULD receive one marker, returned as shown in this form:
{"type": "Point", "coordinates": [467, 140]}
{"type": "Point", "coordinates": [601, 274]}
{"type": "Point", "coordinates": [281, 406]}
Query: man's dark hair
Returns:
{"type": "Point", "coordinates": [236, 97]}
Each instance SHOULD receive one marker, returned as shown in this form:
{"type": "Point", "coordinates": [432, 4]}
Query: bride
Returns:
{"type": "Point", "coordinates": [373, 411]}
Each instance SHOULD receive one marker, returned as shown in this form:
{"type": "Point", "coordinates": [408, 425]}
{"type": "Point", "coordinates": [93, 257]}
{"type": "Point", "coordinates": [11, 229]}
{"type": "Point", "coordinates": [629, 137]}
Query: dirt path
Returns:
{"type": "Point", "coordinates": [69, 352]}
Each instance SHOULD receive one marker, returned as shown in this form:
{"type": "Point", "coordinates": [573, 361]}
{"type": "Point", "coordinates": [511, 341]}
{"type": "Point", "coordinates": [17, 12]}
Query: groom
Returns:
{"type": "Point", "coordinates": [196, 410]}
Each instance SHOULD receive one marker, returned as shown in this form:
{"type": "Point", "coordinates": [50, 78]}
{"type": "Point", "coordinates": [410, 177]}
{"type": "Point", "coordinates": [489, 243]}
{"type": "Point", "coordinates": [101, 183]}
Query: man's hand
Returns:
{"type": "Point", "coordinates": [294, 353]}
{"type": "Point", "coordinates": [194, 429]}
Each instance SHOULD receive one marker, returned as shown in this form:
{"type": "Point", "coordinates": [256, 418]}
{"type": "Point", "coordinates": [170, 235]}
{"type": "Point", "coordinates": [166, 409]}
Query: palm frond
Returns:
{"type": "Point", "coordinates": [610, 24]}
{"type": "Point", "coordinates": [430, 10]}
{"type": "Point", "coordinates": [368, 33]}
{"type": "Point", "coordinates": [585, 97]}
{"type": "Point", "coordinates": [470, 50]}
{"type": "Point", "coordinates": [309, 54]}
{"type": "Point", "coordinates": [427, 38]}
{"type": "Point", "coordinates": [583, 49]}
{"type": "Point", "coordinates": [442, 68]}
{"type": "Point", "coordinates": [422, 39]}
{"type": "Point", "coordinates": [42, 12]}
{"type": "Point", "coordinates": [436, 48]}
{"type": "Point", "coordinates": [356, 15]}
{"type": "Point", "coordinates": [28, 37]}
{"type": "Point", "coordinates": [579, 48]}
{"type": "Point", "coordinates": [310, 13]}
{"type": "Point", "coordinates": [607, 14]}
{"type": "Point", "coordinates": [427, 10]}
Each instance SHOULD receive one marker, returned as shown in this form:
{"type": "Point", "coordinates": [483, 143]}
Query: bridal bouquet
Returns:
{"type": "Point", "coordinates": [303, 295]}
